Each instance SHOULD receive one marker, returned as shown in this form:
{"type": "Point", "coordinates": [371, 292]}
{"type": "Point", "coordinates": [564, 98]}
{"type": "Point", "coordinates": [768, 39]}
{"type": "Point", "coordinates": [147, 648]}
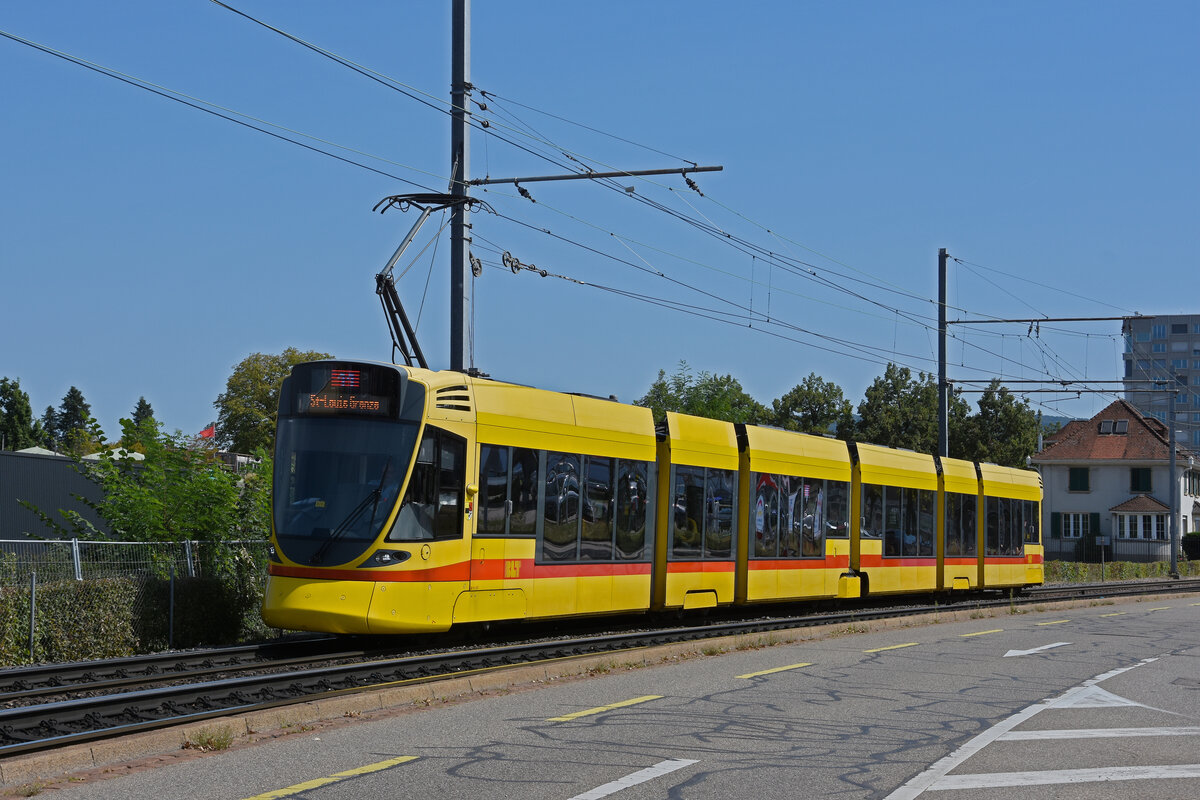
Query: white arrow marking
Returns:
{"type": "Point", "coordinates": [1034, 650]}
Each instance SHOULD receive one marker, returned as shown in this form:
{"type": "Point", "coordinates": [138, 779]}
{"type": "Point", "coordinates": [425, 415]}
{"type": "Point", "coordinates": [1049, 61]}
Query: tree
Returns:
{"type": "Point", "coordinates": [74, 432]}
{"type": "Point", "coordinates": [50, 433]}
{"type": "Point", "coordinates": [1004, 431]}
{"type": "Point", "coordinates": [704, 395]}
{"type": "Point", "coordinates": [902, 411]}
{"type": "Point", "coordinates": [142, 412]}
{"type": "Point", "coordinates": [18, 429]}
{"type": "Point", "coordinates": [812, 406]}
{"type": "Point", "coordinates": [247, 408]}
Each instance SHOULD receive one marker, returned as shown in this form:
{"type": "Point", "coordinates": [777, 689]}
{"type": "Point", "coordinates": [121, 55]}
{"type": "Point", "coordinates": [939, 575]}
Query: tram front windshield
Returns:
{"type": "Point", "coordinates": [339, 470]}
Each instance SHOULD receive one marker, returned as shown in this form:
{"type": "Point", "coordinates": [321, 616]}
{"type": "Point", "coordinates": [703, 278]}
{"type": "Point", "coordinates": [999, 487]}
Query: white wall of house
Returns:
{"type": "Point", "coordinates": [1109, 485]}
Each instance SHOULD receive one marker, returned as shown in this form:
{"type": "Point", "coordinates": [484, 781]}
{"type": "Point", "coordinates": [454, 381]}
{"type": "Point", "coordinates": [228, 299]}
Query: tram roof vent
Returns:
{"type": "Point", "coordinates": [453, 398]}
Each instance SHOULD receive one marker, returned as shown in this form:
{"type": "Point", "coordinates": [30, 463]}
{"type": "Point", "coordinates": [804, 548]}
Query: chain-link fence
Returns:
{"type": "Point", "coordinates": [67, 600]}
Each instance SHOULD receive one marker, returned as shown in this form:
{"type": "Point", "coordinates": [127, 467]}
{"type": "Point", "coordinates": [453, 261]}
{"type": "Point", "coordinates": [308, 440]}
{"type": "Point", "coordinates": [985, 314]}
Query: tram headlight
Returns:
{"type": "Point", "coordinates": [386, 558]}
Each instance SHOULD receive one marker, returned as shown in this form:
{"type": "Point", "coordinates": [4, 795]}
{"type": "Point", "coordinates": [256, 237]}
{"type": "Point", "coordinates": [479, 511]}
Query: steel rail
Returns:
{"type": "Point", "coordinates": [49, 725]}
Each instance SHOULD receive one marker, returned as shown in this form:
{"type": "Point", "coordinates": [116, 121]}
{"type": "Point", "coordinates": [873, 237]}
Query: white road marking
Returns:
{"type": "Point", "coordinates": [988, 780]}
{"type": "Point", "coordinates": [1012, 653]}
{"type": "Point", "coordinates": [1096, 733]}
{"type": "Point", "coordinates": [641, 776]}
{"type": "Point", "coordinates": [942, 766]}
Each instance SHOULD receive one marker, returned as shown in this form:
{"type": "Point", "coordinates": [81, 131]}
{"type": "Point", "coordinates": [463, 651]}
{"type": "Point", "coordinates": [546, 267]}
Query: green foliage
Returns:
{"type": "Point", "coordinates": [1079, 572]}
{"type": "Point", "coordinates": [1004, 431]}
{"type": "Point", "coordinates": [142, 412]}
{"type": "Point", "coordinates": [704, 395]}
{"type": "Point", "coordinates": [900, 410]}
{"type": "Point", "coordinates": [71, 428]}
{"type": "Point", "coordinates": [812, 406]}
{"type": "Point", "coordinates": [75, 620]}
{"type": "Point", "coordinates": [18, 429]}
{"type": "Point", "coordinates": [246, 409]}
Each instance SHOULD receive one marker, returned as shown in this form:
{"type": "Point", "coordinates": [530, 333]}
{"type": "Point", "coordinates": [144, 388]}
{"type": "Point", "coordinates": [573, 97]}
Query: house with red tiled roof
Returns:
{"type": "Point", "coordinates": [1107, 482]}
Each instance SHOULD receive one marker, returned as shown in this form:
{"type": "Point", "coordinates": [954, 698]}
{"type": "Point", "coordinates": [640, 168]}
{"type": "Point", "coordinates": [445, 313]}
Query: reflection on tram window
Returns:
{"type": "Point", "coordinates": [1003, 531]}
{"type": "Point", "coordinates": [871, 524]}
{"type": "Point", "coordinates": [766, 515]}
{"type": "Point", "coordinates": [560, 540]}
{"type": "Point", "coordinates": [688, 512]}
{"type": "Point", "coordinates": [1031, 522]}
{"type": "Point", "coordinates": [838, 510]}
{"type": "Point", "coordinates": [433, 505]}
{"type": "Point", "coordinates": [493, 489]}
{"type": "Point", "coordinates": [633, 496]}
{"type": "Point", "coordinates": [961, 525]}
{"type": "Point", "coordinates": [719, 517]}
{"type": "Point", "coordinates": [597, 531]}
{"type": "Point", "coordinates": [523, 492]}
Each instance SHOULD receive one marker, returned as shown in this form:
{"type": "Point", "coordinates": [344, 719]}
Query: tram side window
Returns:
{"type": "Point", "coordinates": [1003, 527]}
{"type": "Point", "coordinates": [433, 505]}
{"type": "Point", "coordinates": [837, 513]}
{"type": "Point", "coordinates": [960, 524]}
{"type": "Point", "coordinates": [523, 492]}
{"type": "Point", "coordinates": [1031, 522]}
{"type": "Point", "coordinates": [871, 524]}
{"type": "Point", "coordinates": [810, 516]}
{"type": "Point", "coordinates": [633, 496]}
{"type": "Point", "coordinates": [926, 522]}
{"type": "Point", "coordinates": [493, 493]}
{"type": "Point", "coordinates": [596, 539]}
{"type": "Point", "coordinates": [561, 526]}
{"type": "Point", "coordinates": [766, 515]}
{"type": "Point", "coordinates": [687, 539]}
{"type": "Point", "coordinates": [719, 513]}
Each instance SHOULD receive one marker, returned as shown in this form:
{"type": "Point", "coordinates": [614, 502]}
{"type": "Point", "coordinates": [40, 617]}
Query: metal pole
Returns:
{"type": "Point", "coordinates": [943, 385]}
{"type": "Point", "coordinates": [32, 614]}
{"type": "Point", "coordinates": [75, 558]}
{"type": "Point", "coordinates": [460, 159]}
{"type": "Point", "coordinates": [1173, 522]}
{"type": "Point", "coordinates": [171, 613]}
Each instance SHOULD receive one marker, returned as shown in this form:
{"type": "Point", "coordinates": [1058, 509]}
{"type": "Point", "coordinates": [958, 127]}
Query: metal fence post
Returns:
{"type": "Point", "coordinates": [75, 557]}
{"type": "Point", "coordinates": [187, 551]}
{"type": "Point", "coordinates": [32, 615]}
{"type": "Point", "coordinates": [171, 614]}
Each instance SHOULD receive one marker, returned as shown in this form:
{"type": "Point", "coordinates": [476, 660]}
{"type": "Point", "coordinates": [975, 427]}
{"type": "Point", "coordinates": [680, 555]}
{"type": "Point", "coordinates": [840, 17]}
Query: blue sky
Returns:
{"type": "Point", "coordinates": [146, 247]}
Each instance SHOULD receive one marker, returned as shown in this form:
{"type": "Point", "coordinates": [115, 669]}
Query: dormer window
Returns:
{"type": "Point", "coordinates": [1114, 426]}
{"type": "Point", "coordinates": [1106, 427]}
{"type": "Point", "coordinates": [1121, 426]}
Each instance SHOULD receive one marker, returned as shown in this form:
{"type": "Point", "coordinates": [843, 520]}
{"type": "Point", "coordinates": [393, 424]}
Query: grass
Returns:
{"type": "Point", "coordinates": [31, 789]}
{"type": "Point", "coordinates": [209, 740]}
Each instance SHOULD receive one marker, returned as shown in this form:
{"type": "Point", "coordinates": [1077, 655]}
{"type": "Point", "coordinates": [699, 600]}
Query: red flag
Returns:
{"type": "Point", "coordinates": [209, 432]}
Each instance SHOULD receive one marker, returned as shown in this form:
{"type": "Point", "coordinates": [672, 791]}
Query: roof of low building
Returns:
{"type": "Point", "coordinates": [1118, 433]}
{"type": "Point", "coordinates": [1143, 504]}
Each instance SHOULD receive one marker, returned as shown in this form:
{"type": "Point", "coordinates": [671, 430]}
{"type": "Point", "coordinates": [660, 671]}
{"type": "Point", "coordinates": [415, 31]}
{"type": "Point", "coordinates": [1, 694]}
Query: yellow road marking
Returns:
{"type": "Point", "coordinates": [1115, 614]}
{"type": "Point", "coordinates": [1160, 608]}
{"type": "Point", "coordinates": [1055, 622]}
{"type": "Point", "coordinates": [334, 778]}
{"type": "Point", "coordinates": [892, 647]}
{"type": "Point", "coordinates": [983, 633]}
{"type": "Point", "coordinates": [609, 707]}
{"type": "Point", "coordinates": [777, 669]}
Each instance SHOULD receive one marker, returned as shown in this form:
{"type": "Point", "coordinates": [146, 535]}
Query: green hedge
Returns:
{"type": "Point", "coordinates": [75, 620]}
{"type": "Point", "coordinates": [1076, 572]}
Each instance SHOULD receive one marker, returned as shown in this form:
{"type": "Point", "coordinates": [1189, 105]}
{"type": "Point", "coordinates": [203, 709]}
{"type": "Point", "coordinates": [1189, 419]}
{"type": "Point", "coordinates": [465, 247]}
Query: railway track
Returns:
{"type": "Point", "coordinates": [93, 705]}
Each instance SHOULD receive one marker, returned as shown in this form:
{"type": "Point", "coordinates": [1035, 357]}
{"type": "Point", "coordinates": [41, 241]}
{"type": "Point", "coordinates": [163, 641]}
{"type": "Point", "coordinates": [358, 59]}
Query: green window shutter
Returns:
{"type": "Point", "coordinates": [1093, 524]}
{"type": "Point", "coordinates": [1055, 525]}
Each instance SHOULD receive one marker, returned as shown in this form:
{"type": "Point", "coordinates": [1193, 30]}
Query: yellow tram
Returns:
{"type": "Point", "coordinates": [407, 500]}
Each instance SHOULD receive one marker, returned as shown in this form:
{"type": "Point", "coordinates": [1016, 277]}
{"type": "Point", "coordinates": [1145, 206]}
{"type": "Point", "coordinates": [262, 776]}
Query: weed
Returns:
{"type": "Point", "coordinates": [210, 740]}
{"type": "Point", "coordinates": [713, 650]}
{"type": "Point", "coordinates": [31, 789]}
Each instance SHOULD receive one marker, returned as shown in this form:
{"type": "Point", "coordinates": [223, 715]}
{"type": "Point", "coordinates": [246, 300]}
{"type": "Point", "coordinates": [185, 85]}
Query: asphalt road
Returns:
{"type": "Point", "coordinates": [1100, 701]}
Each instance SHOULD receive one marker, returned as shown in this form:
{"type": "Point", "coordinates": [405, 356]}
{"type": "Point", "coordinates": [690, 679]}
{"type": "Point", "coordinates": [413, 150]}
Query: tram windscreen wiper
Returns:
{"type": "Point", "coordinates": [373, 498]}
